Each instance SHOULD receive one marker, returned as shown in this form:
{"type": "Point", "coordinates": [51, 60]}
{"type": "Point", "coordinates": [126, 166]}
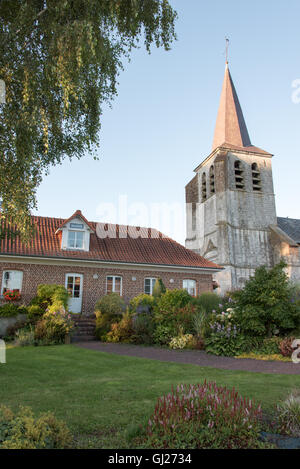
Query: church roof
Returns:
{"type": "Point", "coordinates": [231, 130]}
{"type": "Point", "coordinates": [291, 226]}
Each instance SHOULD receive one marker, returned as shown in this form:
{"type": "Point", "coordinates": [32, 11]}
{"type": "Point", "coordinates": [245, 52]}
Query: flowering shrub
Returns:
{"type": "Point", "coordinates": [22, 430]}
{"type": "Point", "coordinates": [143, 302]}
{"type": "Point", "coordinates": [224, 338]}
{"type": "Point", "coordinates": [285, 346]}
{"type": "Point", "coordinates": [182, 341]}
{"type": "Point", "coordinates": [12, 295]}
{"type": "Point", "coordinates": [203, 416]}
{"type": "Point", "coordinates": [54, 326]}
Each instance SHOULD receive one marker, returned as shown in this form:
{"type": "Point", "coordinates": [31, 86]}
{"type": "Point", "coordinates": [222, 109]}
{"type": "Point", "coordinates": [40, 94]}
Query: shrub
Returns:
{"type": "Point", "coordinates": [265, 307]}
{"type": "Point", "coordinates": [142, 303]}
{"type": "Point", "coordinates": [288, 415]}
{"type": "Point", "coordinates": [122, 331]}
{"type": "Point", "coordinates": [163, 334]}
{"type": "Point", "coordinates": [110, 304]}
{"type": "Point", "coordinates": [11, 330]}
{"type": "Point", "coordinates": [104, 323]}
{"type": "Point", "coordinates": [51, 297]}
{"type": "Point", "coordinates": [224, 337]}
{"type": "Point", "coordinates": [159, 288]}
{"type": "Point", "coordinates": [54, 327]}
{"type": "Point", "coordinates": [201, 324]}
{"type": "Point", "coordinates": [35, 313]}
{"type": "Point", "coordinates": [182, 341]}
{"type": "Point", "coordinates": [207, 302]}
{"type": "Point", "coordinates": [10, 310]}
{"type": "Point", "coordinates": [25, 336]}
{"type": "Point", "coordinates": [285, 346]}
{"type": "Point", "coordinates": [22, 430]}
{"type": "Point", "coordinates": [174, 309]}
{"type": "Point", "coordinates": [203, 416]}
{"type": "Point", "coordinates": [143, 328]}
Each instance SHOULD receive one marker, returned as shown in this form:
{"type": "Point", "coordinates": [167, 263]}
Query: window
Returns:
{"type": "Point", "coordinates": [256, 181]}
{"type": "Point", "coordinates": [12, 280]}
{"type": "Point", "coordinates": [204, 195]}
{"type": "Point", "coordinates": [75, 239]}
{"type": "Point", "coordinates": [212, 179]}
{"type": "Point", "coordinates": [239, 175]}
{"type": "Point", "coordinates": [190, 286]}
{"type": "Point", "coordinates": [114, 284]}
{"type": "Point", "coordinates": [149, 285]}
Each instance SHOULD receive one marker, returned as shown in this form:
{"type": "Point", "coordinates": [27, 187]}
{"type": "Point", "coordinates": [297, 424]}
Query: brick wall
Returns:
{"type": "Point", "coordinates": [93, 289]}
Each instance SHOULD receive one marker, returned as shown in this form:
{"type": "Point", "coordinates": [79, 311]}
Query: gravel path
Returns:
{"type": "Point", "coordinates": [194, 357]}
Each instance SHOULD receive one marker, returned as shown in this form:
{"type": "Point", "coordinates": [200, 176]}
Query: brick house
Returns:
{"type": "Point", "coordinates": [93, 259]}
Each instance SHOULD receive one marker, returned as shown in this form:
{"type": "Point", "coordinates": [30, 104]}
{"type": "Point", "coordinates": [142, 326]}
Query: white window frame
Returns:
{"type": "Point", "coordinates": [151, 284]}
{"type": "Point", "coordinates": [114, 284]}
{"type": "Point", "coordinates": [73, 247]}
{"type": "Point", "coordinates": [188, 288]}
{"type": "Point", "coordinates": [16, 287]}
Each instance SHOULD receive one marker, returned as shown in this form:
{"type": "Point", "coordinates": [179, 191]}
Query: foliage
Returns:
{"type": "Point", "coordinates": [143, 328]}
{"type": "Point", "coordinates": [12, 295]}
{"type": "Point", "coordinates": [35, 313]}
{"type": "Point", "coordinates": [288, 414]}
{"type": "Point", "coordinates": [110, 304]}
{"type": "Point", "coordinates": [264, 306]}
{"type": "Point", "coordinates": [51, 296]}
{"type": "Point", "coordinates": [22, 430]}
{"type": "Point", "coordinates": [269, 345]}
{"type": "Point", "coordinates": [104, 322]}
{"type": "Point", "coordinates": [173, 308]}
{"type": "Point", "coordinates": [203, 416]}
{"type": "Point", "coordinates": [60, 61]}
{"type": "Point", "coordinates": [285, 346]}
{"type": "Point", "coordinates": [201, 324]}
{"type": "Point", "coordinates": [263, 356]}
{"type": "Point", "coordinates": [25, 336]}
{"type": "Point", "coordinates": [207, 302]}
{"type": "Point", "coordinates": [11, 310]}
{"type": "Point", "coordinates": [142, 302]}
{"type": "Point", "coordinates": [182, 341]}
{"type": "Point", "coordinates": [163, 334]}
{"type": "Point", "coordinates": [53, 327]}
{"type": "Point", "coordinates": [122, 331]}
{"type": "Point", "coordinates": [11, 330]}
{"type": "Point", "coordinates": [159, 288]}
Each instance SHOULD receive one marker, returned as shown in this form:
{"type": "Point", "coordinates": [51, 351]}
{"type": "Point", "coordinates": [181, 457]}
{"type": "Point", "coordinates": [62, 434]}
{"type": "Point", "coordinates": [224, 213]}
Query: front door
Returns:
{"type": "Point", "coordinates": [74, 287]}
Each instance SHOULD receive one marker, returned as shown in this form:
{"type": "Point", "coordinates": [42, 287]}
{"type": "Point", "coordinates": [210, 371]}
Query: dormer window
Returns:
{"type": "Point", "coordinates": [75, 239]}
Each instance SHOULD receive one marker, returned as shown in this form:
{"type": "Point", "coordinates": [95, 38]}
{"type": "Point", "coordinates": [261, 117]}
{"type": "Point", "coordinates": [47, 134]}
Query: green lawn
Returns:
{"type": "Point", "coordinates": [99, 395]}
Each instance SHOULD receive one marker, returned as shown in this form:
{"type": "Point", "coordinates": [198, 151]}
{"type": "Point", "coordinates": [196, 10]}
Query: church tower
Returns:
{"type": "Point", "coordinates": [230, 200]}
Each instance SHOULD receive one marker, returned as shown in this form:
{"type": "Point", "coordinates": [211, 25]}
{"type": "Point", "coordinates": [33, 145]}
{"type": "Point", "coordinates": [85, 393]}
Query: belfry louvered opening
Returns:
{"type": "Point", "coordinates": [239, 175]}
{"type": "Point", "coordinates": [203, 189]}
{"type": "Point", "coordinates": [212, 179]}
{"type": "Point", "coordinates": [256, 180]}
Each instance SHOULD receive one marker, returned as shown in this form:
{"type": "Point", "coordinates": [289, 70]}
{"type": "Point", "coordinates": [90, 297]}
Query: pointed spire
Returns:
{"type": "Point", "coordinates": [230, 126]}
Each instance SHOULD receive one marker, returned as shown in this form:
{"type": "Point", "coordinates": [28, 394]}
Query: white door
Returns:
{"type": "Point", "coordinates": [74, 286]}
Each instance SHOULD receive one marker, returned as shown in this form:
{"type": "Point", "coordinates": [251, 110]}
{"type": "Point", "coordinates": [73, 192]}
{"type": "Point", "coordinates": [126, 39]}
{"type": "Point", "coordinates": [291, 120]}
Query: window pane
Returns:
{"type": "Point", "coordinates": [79, 239]}
{"type": "Point", "coordinates": [109, 284]}
{"type": "Point", "coordinates": [190, 286]}
{"type": "Point", "coordinates": [71, 239]}
{"type": "Point", "coordinates": [153, 280]}
{"type": "Point", "coordinates": [118, 285]}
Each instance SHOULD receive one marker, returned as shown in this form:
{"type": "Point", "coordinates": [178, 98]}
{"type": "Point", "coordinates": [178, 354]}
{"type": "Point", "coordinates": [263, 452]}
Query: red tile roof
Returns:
{"type": "Point", "coordinates": [146, 249]}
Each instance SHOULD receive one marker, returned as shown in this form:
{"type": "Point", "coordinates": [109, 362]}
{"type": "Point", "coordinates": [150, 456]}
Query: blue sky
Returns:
{"type": "Point", "coordinates": [161, 124]}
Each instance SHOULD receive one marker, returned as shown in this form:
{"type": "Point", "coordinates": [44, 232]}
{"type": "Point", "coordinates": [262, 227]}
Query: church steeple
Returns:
{"type": "Point", "coordinates": [230, 126]}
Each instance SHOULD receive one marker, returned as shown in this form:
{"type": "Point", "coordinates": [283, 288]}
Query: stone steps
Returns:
{"type": "Point", "coordinates": [84, 329]}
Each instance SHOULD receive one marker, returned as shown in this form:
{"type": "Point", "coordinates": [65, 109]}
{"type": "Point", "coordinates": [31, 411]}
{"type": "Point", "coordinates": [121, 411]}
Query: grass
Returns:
{"type": "Point", "coordinates": [100, 395]}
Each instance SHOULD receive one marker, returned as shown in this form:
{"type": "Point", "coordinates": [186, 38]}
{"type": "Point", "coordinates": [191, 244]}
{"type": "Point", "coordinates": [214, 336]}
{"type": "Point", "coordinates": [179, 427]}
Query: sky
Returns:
{"type": "Point", "coordinates": [160, 126]}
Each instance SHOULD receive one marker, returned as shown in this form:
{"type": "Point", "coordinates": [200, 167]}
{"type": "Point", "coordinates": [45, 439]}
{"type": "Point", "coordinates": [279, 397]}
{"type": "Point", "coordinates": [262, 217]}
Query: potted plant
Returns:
{"type": "Point", "coordinates": [12, 295]}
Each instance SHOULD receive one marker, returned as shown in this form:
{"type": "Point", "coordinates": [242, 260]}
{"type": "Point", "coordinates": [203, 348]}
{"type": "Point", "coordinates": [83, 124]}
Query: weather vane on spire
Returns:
{"type": "Point", "coordinates": [227, 47]}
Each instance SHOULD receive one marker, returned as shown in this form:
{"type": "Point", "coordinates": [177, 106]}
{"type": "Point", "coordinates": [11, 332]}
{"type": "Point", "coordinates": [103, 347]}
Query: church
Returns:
{"type": "Point", "coordinates": [231, 213]}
